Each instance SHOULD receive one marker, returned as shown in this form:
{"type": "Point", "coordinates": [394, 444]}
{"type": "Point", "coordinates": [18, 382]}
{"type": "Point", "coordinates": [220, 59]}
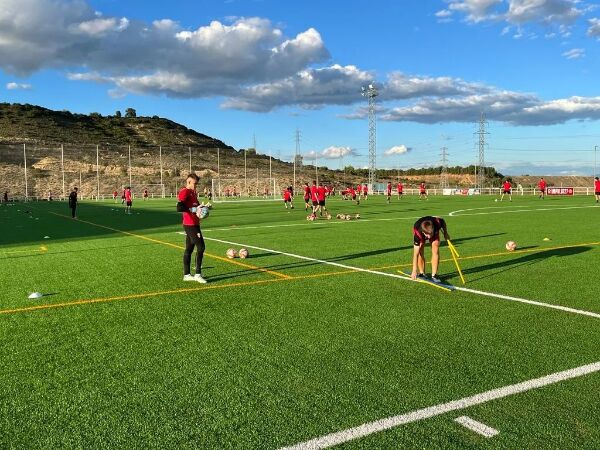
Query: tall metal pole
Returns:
{"type": "Point", "coordinates": [316, 169]}
{"type": "Point", "coordinates": [246, 174]}
{"type": "Point", "coordinates": [80, 183]}
{"type": "Point", "coordinates": [25, 165]}
{"type": "Point", "coordinates": [162, 186]}
{"type": "Point", "coordinates": [62, 168]}
{"type": "Point", "coordinates": [480, 170]}
{"type": "Point", "coordinates": [130, 166]}
{"type": "Point", "coordinates": [595, 160]}
{"type": "Point", "coordinates": [370, 92]}
{"type": "Point", "coordinates": [296, 153]}
{"type": "Point", "coordinates": [257, 181]}
{"type": "Point", "coordinates": [190, 150]}
{"type": "Point", "coordinates": [444, 172]}
{"type": "Point", "coordinates": [97, 173]}
{"type": "Point", "coordinates": [270, 170]}
{"type": "Point", "coordinates": [219, 170]}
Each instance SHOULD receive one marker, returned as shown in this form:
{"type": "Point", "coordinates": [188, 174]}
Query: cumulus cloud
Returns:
{"type": "Point", "coordinates": [332, 152]}
{"type": "Point", "coordinates": [574, 53]}
{"type": "Point", "coordinates": [397, 150]}
{"type": "Point", "coordinates": [594, 29]}
{"type": "Point", "coordinates": [12, 86]}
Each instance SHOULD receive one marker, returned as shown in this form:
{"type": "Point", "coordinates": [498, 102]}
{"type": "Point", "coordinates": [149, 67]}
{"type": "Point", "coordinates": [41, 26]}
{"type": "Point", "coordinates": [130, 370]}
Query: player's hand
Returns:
{"type": "Point", "coordinates": [413, 275]}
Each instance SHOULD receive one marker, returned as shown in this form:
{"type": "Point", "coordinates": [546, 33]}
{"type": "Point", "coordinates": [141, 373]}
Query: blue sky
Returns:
{"type": "Point", "coordinates": [237, 68]}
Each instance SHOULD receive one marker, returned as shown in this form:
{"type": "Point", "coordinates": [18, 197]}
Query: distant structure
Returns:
{"type": "Point", "coordinates": [370, 92]}
{"type": "Point", "coordinates": [444, 172]}
{"type": "Point", "coordinates": [480, 168]}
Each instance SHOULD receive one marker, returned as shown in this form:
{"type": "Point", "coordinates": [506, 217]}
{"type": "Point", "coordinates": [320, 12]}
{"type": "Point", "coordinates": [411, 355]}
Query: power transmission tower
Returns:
{"type": "Point", "coordinates": [480, 169]}
{"type": "Point", "coordinates": [296, 153]}
{"type": "Point", "coordinates": [371, 92]}
{"type": "Point", "coordinates": [444, 172]}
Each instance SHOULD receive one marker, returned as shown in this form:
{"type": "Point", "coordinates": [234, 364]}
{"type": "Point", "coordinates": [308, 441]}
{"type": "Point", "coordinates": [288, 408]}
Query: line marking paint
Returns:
{"type": "Point", "coordinates": [168, 292]}
{"type": "Point", "coordinates": [387, 423]}
{"type": "Point", "coordinates": [521, 209]}
{"type": "Point", "coordinates": [180, 247]}
{"type": "Point", "coordinates": [392, 275]}
{"type": "Point", "coordinates": [477, 427]}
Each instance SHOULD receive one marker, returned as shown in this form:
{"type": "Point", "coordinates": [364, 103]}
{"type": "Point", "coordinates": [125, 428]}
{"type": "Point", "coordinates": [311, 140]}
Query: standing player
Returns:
{"type": "Point", "coordinates": [542, 188]}
{"type": "Point", "coordinates": [115, 194]}
{"type": "Point", "coordinates": [506, 189]}
{"type": "Point", "coordinates": [400, 190]}
{"type": "Point", "coordinates": [596, 189]}
{"type": "Point", "coordinates": [427, 229]}
{"type": "Point", "coordinates": [314, 197]}
{"type": "Point", "coordinates": [321, 198]}
{"type": "Point", "coordinates": [422, 191]}
{"type": "Point", "coordinates": [73, 202]}
{"type": "Point", "coordinates": [188, 205]}
{"type": "Point", "coordinates": [352, 194]}
{"type": "Point", "coordinates": [306, 197]}
{"type": "Point", "coordinates": [145, 194]}
{"type": "Point", "coordinates": [287, 198]}
{"type": "Point", "coordinates": [388, 191]}
{"type": "Point", "coordinates": [123, 196]}
{"type": "Point", "coordinates": [366, 191]}
{"type": "Point", "coordinates": [128, 200]}
{"type": "Point", "coordinates": [6, 196]}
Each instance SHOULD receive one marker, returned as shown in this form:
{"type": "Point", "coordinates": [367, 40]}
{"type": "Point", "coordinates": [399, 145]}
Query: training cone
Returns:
{"type": "Point", "coordinates": [36, 295]}
{"type": "Point", "coordinates": [546, 239]}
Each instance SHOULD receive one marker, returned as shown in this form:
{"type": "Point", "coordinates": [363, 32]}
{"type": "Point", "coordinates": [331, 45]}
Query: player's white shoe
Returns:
{"type": "Point", "coordinates": [199, 279]}
{"type": "Point", "coordinates": [188, 277]}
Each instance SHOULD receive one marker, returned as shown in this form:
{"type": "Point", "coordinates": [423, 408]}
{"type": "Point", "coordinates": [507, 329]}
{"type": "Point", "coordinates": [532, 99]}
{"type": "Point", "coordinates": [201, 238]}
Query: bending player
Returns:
{"type": "Point", "coordinates": [427, 229]}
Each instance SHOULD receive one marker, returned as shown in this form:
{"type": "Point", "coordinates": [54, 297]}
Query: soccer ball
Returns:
{"type": "Point", "coordinates": [338, 216]}
{"type": "Point", "coordinates": [243, 253]}
{"type": "Point", "coordinates": [511, 246]}
{"type": "Point", "coordinates": [231, 253]}
{"type": "Point", "coordinates": [328, 216]}
{"type": "Point", "coordinates": [203, 212]}
{"type": "Point", "coordinates": [357, 216]}
{"type": "Point", "coordinates": [311, 217]}
{"type": "Point", "coordinates": [348, 217]}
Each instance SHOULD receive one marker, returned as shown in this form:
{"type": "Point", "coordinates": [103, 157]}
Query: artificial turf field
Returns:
{"type": "Point", "coordinates": [280, 349]}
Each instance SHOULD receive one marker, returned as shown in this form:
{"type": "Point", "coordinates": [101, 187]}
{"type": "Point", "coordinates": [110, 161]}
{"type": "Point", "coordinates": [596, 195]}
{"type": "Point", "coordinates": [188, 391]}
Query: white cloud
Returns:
{"type": "Point", "coordinates": [12, 86]}
{"type": "Point", "coordinates": [575, 53]}
{"type": "Point", "coordinates": [332, 152]}
{"type": "Point", "coordinates": [594, 29]}
{"type": "Point", "coordinates": [397, 150]}
{"type": "Point", "coordinates": [475, 10]}
{"type": "Point", "coordinates": [443, 13]}
{"type": "Point", "coordinates": [544, 11]}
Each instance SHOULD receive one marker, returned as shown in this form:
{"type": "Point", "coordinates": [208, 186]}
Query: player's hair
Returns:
{"type": "Point", "coordinates": [194, 176]}
{"type": "Point", "coordinates": [597, 178]}
{"type": "Point", "coordinates": [427, 227]}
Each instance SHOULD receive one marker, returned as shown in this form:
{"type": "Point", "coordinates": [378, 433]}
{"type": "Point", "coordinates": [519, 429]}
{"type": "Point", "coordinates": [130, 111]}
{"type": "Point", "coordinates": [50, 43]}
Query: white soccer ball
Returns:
{"type": "Point", "coordinates": [511, 246]}
{"type": "Point", "coordinates": [231, 253]}
{"type": "Point", "coordinates": [243, 253]}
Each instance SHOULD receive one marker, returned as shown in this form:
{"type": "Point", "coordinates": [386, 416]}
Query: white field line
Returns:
{"type": "Point", "coordinates": [369, 428]}
{"type": "Point", "coordinates": [521, 209]}
{"type": "Point", "coordinates": [392, 275]}
{"type": "Point", "coordinates": [477, 427]}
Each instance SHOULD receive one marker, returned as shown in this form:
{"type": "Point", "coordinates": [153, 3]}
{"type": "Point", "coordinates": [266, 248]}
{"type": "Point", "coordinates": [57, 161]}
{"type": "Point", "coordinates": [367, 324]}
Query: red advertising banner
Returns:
{"type": "Point", "coordinates": [559, 191]}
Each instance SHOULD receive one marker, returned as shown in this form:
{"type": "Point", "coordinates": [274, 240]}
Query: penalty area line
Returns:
{"type": "Point", "coordinates": [387, 423]}
{"type": "Point", "coordinates": [404, 278]}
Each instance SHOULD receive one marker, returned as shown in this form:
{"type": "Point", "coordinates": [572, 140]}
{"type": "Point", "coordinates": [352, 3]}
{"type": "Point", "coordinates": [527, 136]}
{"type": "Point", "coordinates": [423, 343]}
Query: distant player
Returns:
{"type": "Point", "coordinates": [123, 196]}
{"type": "Point", "coordinates": [596, 189]}
{"type": "Point", "coordinates": [188, 199]}
{"type": "Point", "coordinates": [145, 194]}
{"type": "Point", "coordinates": [400, 190]}
{"type": "Point", "coordinates": [128, 200]}
{"type": "Point", "coordinates": [49, 196]}
{"type": "Point", "coordinates": [427, 229]}
{"type": "Point", "coordinates": [365, 191]}
{"type": "Point", "coordinates": [314, 197]}
{"type": "Point", "coordinates": [307, 197]}
{"type": "Point", "coordinates": [422, 191]}
{"type": "Point", "coordinates": [73, 202]}
{"type": "Point", "coordinates": [321, 197]}
{"type": "Point", "coordinates": [352, 194]}
{"type": "Point", "coordinates": [388, 191]}
{"type": "Point", "coordinates": [5, 198]}
{"type": "Point", "coordinates": [542, 188]}
{"type": "Point", "coordinates": [115, 195]}
{"type": "Point", "coordinates": [287, 199]}
{"type": "Point", "coordinates": [506, 190]}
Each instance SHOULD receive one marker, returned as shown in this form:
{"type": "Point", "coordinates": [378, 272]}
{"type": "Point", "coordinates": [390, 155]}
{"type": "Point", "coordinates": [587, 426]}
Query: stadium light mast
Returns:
{"type": "Point", "coordinates": [162, 186]}
{"type": "Point", "coordinates": [62, 168]}
{"type": "Point", "coordinates": [296, 153]}
{"type": "Point", "coordinates": [444, 172]}
{"type": "Point", "coordinates": [25, 167]}
{"type": "Point", "coordinates": [98, 172]}
{"type": "Point", "coordinates": [129, 150]}
{"type": "Point", "coordinates": [595, 160]}
{"type": "Point", "coordinates": [480, 169]}
{"type": "Point", "coordinates": [370, 92]}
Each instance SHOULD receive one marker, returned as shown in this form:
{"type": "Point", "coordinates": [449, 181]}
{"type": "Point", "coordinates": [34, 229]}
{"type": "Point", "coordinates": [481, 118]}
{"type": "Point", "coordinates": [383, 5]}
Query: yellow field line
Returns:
{"type": "Point", "coordinates": [180, 247]}
{"type": "Point", "coordinates": [41, 250]}
{"type": "Point", "coordinates": [172, 291]}
{"type": "Point", "coordinates": [489, 255]}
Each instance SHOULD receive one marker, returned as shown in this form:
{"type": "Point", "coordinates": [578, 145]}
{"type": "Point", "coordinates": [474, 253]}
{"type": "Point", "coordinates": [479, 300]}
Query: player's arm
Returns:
{"type": "Point", "coordinates": [445, 229]}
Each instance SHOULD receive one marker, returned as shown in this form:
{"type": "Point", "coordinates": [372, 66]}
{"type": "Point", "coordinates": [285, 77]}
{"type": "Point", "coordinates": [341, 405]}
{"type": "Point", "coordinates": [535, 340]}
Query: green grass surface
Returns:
{"type": "Point", "coordinates": [122, 353]}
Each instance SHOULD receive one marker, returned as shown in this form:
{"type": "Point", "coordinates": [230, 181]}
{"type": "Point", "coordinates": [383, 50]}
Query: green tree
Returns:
{"type": "Point", "coordinates": [130, 113]}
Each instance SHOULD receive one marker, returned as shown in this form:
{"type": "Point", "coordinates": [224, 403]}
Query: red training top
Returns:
{"type": "Point", "coordinates": [422, 187]}
{"type": "Point", "coordinates": [400, 187]}
{"type": "Point", "coordinates": [128, 196]}
{"type": "Point", "coordinates": [287, 196]}
{"type": "Point", "coordinates": [190, 199]}
{"type": "Point", "coordinates": [542, 184]}
{"type": "Point", "coordinates": [389, 188]}
{"type": "Point", "coordinates": [507, 186]}
{"type": "Point", "coordinates": [597, 185]}
{"type": "Point", "coordinates": [313, 193]}
{"type": "Point", "coordinates": [306, 192]}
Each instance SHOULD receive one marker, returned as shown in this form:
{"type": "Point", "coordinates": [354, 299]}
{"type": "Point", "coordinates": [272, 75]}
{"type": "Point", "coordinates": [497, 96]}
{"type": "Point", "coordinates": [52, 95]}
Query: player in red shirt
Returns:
{"type": "Point", "coordinates": [287, 198]}
{"type": "Point", "coordinates": [422, 191]}
{"type": "Point", "coordinates": [145, 194]}
{"type": "Point", "coordinates": [115, 194]}
{"type": "Point", "coordinates": [506, 189]}
{"type": "Point", "coordinates": [542, 187]}
{"type": "Point", "coordinates": [128, 200]}
{"type": "Point", "coordinates": [400, 190]}
{"type": "Point", "coordinates": [321, 198]}
{"type": "Point", "coordinates": [365, 191]}
{"type": "Point", "coordinates": [358, 190]}
{"type": "Point", "coordinates": [427, 229]}
{"type": "Point", "coordinates": [352, 194]}
{"type": "Point", "coordinates": [597, 188]}
{"type": "Point", "coordinates": [314, 197]}
{"type": "Point", "coordinates": [123, 196]}
{"type": "Point", "coordinates": [189, 206]}
{"type": "Point", "coordinates": [306, 197]}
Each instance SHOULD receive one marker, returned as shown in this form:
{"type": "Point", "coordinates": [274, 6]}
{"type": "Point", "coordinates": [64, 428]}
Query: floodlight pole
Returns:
{"type": "Point", "coordinates": [25, 166]}
{"type": "Point", "coordinates": [130, 166]}
{"type": "Point", "coordinates": [62, 168]}
{"type": "Point", "coordinates": [480, 171]}
{"type": "Point", "coordinates": [246, 173]}
{"type": "Point", "coordinates": [98, 172]}
{"type": "Point", "coordinates": [296, 153]}
{"type": "Point", "coordinates": [219, 171]}
{"type": "Point", "coordinates": [162, 186]}
{"type": "Point", "coordinates": [595, 160]}
{"type": "Point", "coordinates": [316, 168]}
{"type": "Point", "coordinates": [190, 150]}
{"type": "Point", "coordinates": [370, 92]}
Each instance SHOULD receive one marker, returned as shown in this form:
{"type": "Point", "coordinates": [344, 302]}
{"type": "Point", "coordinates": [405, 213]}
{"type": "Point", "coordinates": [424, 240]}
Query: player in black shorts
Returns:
{"type": "Point", "coordinates": [427, 229]}
{"type": "Point", "coordinates": [73, 202]}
